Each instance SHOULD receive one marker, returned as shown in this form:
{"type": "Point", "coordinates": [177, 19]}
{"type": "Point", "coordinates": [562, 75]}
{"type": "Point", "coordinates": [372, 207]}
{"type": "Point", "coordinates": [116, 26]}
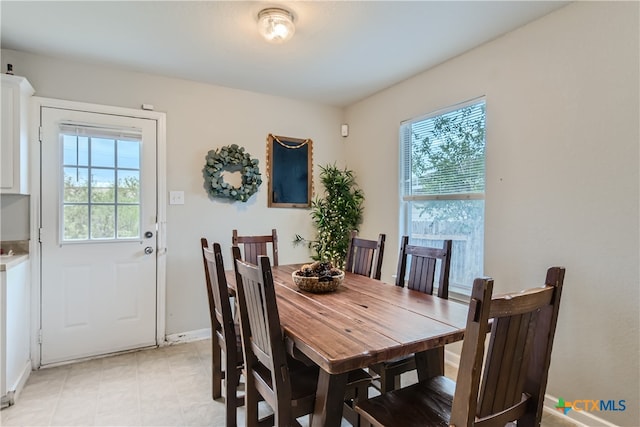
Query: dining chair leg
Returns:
{"type": "Point", "coordinates": [388, 381]}
{"type": "Point", "coordinates": [231, 399]}
{"type": "Point", "coordinates": [216, 368]}
{"type": "Point", "coordinates": [251, 404]}
{"type": "Point", "coordinates": [396, 381]}
{"type": "Point", "coordinates": [361, 393]}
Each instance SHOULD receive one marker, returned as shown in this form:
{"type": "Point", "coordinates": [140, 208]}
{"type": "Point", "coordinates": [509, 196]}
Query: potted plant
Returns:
{"type": "Point", "coordinates": [335, 214]}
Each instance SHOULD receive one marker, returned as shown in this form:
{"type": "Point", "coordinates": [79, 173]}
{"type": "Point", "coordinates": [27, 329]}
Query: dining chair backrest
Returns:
{"type": "Point", "coordinates": [254, 246]}
{"type": "Point", "coordinates": [506, 383]}
{"type": "Point", "coordinates": [218, 291]}
{"type": "Point", "coordinates": [224, 337]}
{"type": "Point", "coordinates": [267, 370]}
{"type": "Point", "coordinates": [287, 384]}
{"type": "Point", "coordinates": [514, 379]}
{"type": "Point", "coordinates": [258, 307]}
{"type": "Point", "coordinates": [362, 253]}
{"type": "Point", "coordinates": [424, 263]}
{"type": "Point", "coordinates": [423, 267]}
{"type": "Point", "coordinates": [204, 244]}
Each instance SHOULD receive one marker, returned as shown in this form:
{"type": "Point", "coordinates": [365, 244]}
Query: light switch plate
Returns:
{"type": "Point", "coordinates": [176, 197]}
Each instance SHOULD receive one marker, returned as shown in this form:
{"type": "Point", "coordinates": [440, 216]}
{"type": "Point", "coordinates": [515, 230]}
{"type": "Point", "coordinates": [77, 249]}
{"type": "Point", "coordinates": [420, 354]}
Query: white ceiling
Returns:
{"type": "Point", "coordinates": [342, 52]}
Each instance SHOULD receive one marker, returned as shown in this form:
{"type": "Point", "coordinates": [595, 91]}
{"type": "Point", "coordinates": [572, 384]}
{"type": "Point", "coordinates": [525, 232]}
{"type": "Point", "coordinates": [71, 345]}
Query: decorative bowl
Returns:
{"type": "Point", "coordinates": [313, 284]}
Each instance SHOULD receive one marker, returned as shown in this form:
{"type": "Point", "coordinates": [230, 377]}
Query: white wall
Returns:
{"type": "Point", "coordinates": [14, 217]}
{"type": "Point", "coordinates": [200, 117]}
{"type": "Point", "coordinates": [562, 179]}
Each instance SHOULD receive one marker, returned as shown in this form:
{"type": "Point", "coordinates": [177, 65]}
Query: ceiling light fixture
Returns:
{"type": "Point", "coordinates": [276, 25]}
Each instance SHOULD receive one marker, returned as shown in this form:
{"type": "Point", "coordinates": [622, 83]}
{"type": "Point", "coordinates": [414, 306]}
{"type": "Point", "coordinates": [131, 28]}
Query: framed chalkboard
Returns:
{"type": "Point", "coordinates": [290, 171]}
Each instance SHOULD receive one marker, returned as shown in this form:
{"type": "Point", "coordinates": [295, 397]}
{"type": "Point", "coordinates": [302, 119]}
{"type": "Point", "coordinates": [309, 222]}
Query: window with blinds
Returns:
{"type": "Point", "coordinates": [442, 186]}
{"type": "Point", "coordinates": [101, 183]}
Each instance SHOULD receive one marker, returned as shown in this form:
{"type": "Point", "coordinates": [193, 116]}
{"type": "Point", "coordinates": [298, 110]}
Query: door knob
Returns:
{"type": "Point", "coordinates": [148, 250]}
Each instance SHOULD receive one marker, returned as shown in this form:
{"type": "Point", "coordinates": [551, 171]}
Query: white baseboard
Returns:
{"type": "Point", "coordinates": [184, 337]}
{"type": "Point", "coordinates": [15, 389]}
{"type": "Point", "coordinates": [579, 418]}
{"type": "Point", "coordinates": [451, 358]}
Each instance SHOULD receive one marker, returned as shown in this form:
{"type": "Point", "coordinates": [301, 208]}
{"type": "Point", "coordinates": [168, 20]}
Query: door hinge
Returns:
{"type": "Point", "coordinates": [40, 234]}
{"type": "Point", "coordinates": [40, 133]}
{"type": "Point", "coordinates": [40, 336]}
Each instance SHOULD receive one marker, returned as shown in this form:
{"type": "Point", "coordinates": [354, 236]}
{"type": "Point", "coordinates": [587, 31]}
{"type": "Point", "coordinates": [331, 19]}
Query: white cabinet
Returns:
{"type": "Point", "coordinates": [14, 143]}
{"type": "Point", "coordinates": [15, 315]}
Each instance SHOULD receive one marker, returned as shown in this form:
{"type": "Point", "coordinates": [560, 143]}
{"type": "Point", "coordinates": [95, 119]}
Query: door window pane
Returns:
{"type": "Point", "coordinates": [76, 185]}
{"type": "Point", "coordinates": [103, 152]}
{"type": "Point", "coordinates": [103, 222]}
{"type": "Point", "coordinates": [76, 222]}
{"type": "Point", "coordinates": [129, 154]}
{"type": "Point", "coordinates": [128, 186]}
{"type": "Point", "coordinates": [75, 150]}
{"type": "Point", "coordinates": [128, 222]}
{"type": "Point", "coordinates": [101, 182]}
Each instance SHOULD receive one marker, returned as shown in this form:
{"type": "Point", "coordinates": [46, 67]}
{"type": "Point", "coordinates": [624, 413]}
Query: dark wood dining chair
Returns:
{"type": "Point", "coordinates": [286, 384]}
{"type": "Point", "coordinates": [361, 254]}
{"type": "Point", "coordinates": [508, 386]}
{"type": "Point", "coordinates": [289, 392]}
{"type": "Point", "coordinates": [225, 333]}
{"type": "Point", "coordinates": [254, 246]}
{"type": "Point", "coordinates": [425, 263]}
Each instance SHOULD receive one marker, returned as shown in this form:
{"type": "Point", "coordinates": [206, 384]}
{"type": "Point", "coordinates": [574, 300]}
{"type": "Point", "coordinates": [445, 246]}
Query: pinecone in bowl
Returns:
{"type": "Point", "coordinates": [318, 277]}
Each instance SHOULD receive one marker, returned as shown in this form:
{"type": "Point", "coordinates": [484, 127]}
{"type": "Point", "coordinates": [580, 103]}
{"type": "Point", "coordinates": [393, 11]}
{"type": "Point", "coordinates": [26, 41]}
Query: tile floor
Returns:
{"type": "Point", "coordinates": [168, 386]}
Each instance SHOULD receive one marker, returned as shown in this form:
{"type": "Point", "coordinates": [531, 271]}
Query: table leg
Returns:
{"type": "Point", "coordinates": [329, 400]}
{"type": "Point", "coordinates": [430, 363]}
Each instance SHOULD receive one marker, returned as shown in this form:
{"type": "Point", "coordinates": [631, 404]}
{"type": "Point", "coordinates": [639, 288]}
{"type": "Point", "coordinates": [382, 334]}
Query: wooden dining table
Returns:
{"type": "Point", "coordinates": [363, 322]}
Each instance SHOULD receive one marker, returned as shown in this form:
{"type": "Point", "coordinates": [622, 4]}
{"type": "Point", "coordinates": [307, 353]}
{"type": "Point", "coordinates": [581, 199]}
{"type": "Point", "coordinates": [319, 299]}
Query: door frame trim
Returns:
{"type": "Point", "coordinates": [36, 104]}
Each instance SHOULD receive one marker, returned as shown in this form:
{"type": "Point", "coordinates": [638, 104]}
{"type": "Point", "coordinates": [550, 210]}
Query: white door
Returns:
{"type": "Point", "coordinates": [98, 237]}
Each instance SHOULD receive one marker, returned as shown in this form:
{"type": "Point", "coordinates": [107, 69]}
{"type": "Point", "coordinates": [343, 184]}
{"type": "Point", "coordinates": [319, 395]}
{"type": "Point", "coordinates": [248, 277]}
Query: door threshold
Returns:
{"type": "Point", "coordinates": [98, 356]}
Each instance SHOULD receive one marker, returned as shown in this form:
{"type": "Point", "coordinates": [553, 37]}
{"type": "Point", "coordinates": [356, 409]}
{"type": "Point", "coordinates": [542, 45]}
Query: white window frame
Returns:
{"type": "Point", "coordinates": [116, 134]}
{"type": "Point", "coordinates": [459, 291]}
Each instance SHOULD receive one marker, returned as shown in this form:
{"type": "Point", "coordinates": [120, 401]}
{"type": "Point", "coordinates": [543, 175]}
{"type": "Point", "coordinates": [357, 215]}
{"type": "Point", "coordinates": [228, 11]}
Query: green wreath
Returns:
{"type": "Point", "coordinates": [231, 158]}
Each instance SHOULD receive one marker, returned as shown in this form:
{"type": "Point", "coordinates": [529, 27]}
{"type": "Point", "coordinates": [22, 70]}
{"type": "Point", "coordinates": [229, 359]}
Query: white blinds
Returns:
{"type": "Point", "coordinates": [83, 129]}
{"type": "Point", "coordinates": [443, 154]}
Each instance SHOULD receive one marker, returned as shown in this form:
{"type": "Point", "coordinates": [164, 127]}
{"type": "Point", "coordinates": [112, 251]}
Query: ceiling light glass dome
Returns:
{"type": "Point", "coordinates": [276, 25]}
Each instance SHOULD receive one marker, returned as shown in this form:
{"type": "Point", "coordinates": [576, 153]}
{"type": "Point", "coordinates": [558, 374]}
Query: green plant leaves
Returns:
{"type": "Point", "coordinates": [336, 214]}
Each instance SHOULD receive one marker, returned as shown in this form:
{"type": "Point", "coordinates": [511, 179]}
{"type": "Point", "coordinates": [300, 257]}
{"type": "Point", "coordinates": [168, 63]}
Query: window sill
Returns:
{"type": "Point", "coordinates": [455, 293]}
{"type": "Point", "coordinates": [459, 295]}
